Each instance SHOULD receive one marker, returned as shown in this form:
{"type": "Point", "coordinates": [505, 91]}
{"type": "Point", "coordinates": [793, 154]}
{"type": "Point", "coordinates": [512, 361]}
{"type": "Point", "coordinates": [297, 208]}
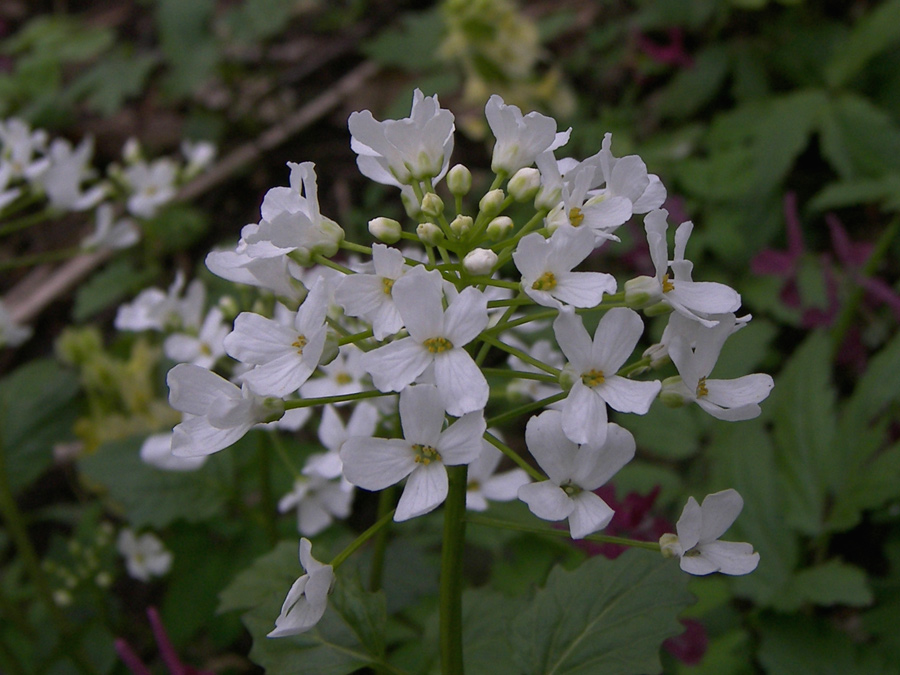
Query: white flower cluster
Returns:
{"type": "Point", "coordinates": [412, 329]}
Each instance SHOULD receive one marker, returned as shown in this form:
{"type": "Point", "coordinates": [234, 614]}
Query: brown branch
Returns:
{"type": "Point", "coordinates": [31, 295]}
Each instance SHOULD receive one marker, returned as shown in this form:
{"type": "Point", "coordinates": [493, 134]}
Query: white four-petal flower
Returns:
{"type": "Point", "coordinates": [307, 599]}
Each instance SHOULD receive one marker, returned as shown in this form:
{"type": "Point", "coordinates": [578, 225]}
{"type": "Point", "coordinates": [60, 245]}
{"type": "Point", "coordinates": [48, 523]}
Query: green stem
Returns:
{"type": "Point", "coordinates": [356, 248]}
{"type": "Point", "coordinates": [40, 258]}
{"type": "Point", "coordinates": [281, 451]}
{"type": "Point", "coordinates": [322, 400]}
{"type": "Point", "coordinates": [537, 529]}
{"type": "Point", "coordinates": [362, 539]}
{"type": "Point", "coordinates": [328, 262]}
{"type": "Point", "coordinates": [499, 283]}
{"type": "Point", "coordinates": [514, 456]}
{"type": "Point", "coordinates": [376, 572]}
{"type": "Point", "coordinates": [23, 222]}
{"type": "Point", "coordinates": [521, 375]}
{"type": "Point", "coordinates": [355, 337]}
{"type": "Point", "coordinates": [524, 409]}
{"type": "Point", "coordinates": [267, 499]}
{"type": "Point", "coordinates": [451, 572]}
{"type": "Point", "coordinates": [527, 358]}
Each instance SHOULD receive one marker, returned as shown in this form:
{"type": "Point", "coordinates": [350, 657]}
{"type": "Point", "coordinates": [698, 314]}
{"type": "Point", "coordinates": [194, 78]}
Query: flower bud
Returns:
{"type": "Point", "coordinates": [330, 241]}
{"type": "Point", "coordinates": [229, 307]}
{"type": "Point", "coordinates": [410, 204]}
{"type": "Point", "coordinates": [331, 349]}
{"type": "Point", "coordinates": [429, 233]}
{"type": "Point", "coordinates": [524, 185]}
{"type": "Point", "coordinates": [480, 261]}
{"type": "Point", "coordinates": [658, 355]}
{"type": "Point", "coordinates": [132, 152]}
{"type": "Point", "coordinates": [568, 376]}
{"type": "Point", "coordinates": [669, 546]}
{"type": "Point", "coordinates": [432, 205]}
{"type": "Point", "coordinates": [459, 180]}
{"type": "Point", "coordinates": [491, 202]}
{"type": "Point", "coordinates": [547, 198]}
{"type": "Point", "coordinates": [642, 292]}
{"type": "Point", "coordinates": [658, 309]}
{"type": "Point", "coordinates": [499, 228]}
{"type": "Point", "coordinates": [674, 393]}
{"type": "Point", "coordinates": [385, 229]}
{"type": "Point", "coordinates": [461, 225]}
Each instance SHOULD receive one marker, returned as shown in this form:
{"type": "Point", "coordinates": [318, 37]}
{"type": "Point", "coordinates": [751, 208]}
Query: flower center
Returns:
{"type": "Point", "coordinates": [436, 345]}
{"type": "Point", "coordinates": [576, 217]}
{"type": "Point", "coordinates": [571, 490]}
{"type": "Point", "coordinates": [666, 284]}
{"type": "Point", "coordinates": [343, 378]}
{"type": "Point", "coordinates": [593, 377]}
{"type": "Point", "coordinates": [701, 388]}
{"type": "Point", "coordinates": [545, 282]}
{"type": "Point", "coordinates": [425, 454]}
{"type": "Point", "coordinates": [299, 344]}
{"type": "Point", "coordinates": [387, 285]}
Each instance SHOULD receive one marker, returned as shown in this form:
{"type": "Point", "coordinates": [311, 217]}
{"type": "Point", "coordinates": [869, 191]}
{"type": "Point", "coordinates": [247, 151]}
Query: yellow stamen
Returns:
{"type": "Point", "coordinates": [436, 345]}
{"type": "Point", "coordinates": [701, 388]}
{"type": "Point", "coordinates": [545, 282]}
{"type": "Point", "coordinates": [593, 377]}
{"type": "Point", "coordinates": [576, 217]}
{"type": "Point", "coordinates": [299, 344]}
{"type": "Point", "coordinates": [666, 284]}
{"type": "Point", "coordinates": [425, 454]}
{"type": "Point", "coordinates": [387, 285]}
{"type": "Point", "coordinates": [343, 378]}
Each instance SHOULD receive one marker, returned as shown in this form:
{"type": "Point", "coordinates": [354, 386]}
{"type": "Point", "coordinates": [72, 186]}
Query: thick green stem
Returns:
{"type": "Point", "coordinates": [451, 572]}
{"type": "Point", "coordinates": [376, 572]}
{"type": "Point", "coordinates": [267, 498]}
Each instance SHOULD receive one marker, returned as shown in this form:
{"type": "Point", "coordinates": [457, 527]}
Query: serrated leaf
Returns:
{"type": "Point", "coordinates": [692, 88]}
{"type": "Point", "coordinates": [803, 404]}
{"type": "Point", "coordinates": [872, 34]}
{"type": "Point", "coordinates": [859, 139]}
{"type": "Point", "coordinates": [607, 616]}
{"type": "Point", "coordinates": [35, 414]}
{"type": "Point", "coordinates": [831, 583]}
{"type": "Point", "coordinates": [154, 498]}
{"type": "Point", "coordinates": [112, 284]}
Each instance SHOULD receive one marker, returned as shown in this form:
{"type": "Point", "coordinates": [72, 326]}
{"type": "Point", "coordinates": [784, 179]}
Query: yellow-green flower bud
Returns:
{"type": "Point", "coordinates": [480, 261]}
{"type": "Point", "coordinates": [642, 292]}
{"type": "Point", "coordinates": [461, 225]}
{"type": "Point", "coordinates": [491, 202]}
{"type": "Point", "coordinates": [499, 228]}
{"type": "Point", "coordinates": [384, 229]}
{"type": "Point", "coordinates": [674, 393]}
{"type": "Point", "coordinates": [568, 376]}
{"type": "Point", "coordinates": [459, 180]}
{"type": "Point", "coordinates": [524, 185]}
{"type": "Point", "coordinates": [429, 233]}
{"type": "Point", "coordinates": [669, 546]}
{"type": "Point", "coordinates": [432, 205]}
{"type": "Point", "coordinates": [330, 350]}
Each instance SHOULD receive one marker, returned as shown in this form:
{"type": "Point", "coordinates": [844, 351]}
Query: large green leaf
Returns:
{"type": "Point", "coordinates": [150, 497]}
{"type": "Point", "coordinates": [872, 34]}
{"type": "Point", "coordinates": [36, 412]}
{"type": "Point", "coordinates": [606, 616]}
{"type": "Point", "coordinates": [858, 138]}
{"type": "Point", "coordinates": [804, 411]}
{"type": "Point", "coordinates": [831, 583]}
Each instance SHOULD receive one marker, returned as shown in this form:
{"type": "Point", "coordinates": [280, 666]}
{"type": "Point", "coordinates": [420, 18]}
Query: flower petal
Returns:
{"type": "Point", "coordinates": [425, 489]}
{"type": "Point", "coordinates": [590, 514]}
{"type": "Point", "coordinates": [547, 500]}
{"type": "Point", "coordinates": [376, 463]}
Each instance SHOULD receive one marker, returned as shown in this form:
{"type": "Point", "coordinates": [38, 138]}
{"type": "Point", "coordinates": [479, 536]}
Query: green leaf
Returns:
{"type": "Point", "coordinates": [412, 46]}
{"type": "Point", "coordinates": [798, 644]}
{"type": "Point", "coordinates": [667, 433]}
{"type": "Point", "coordinates": [487, 616]}
{"type": "Point", "coordinates": [256, 20]}
{"type": "Point", "coordinates": [855, 192]}
{"type": "Point", "coordinates": [35, 414]}
{"type": "Point", "coordinates": [859, 139]}
{"type": "Point", "coordinates": [154, 498]}
{"type": "Point", "coordinates": [693, 88]}
{"type": "Point", "coordinates": [607, 616]}
{"type": "Point", "coordinates": [175, 228]}
{"type": "Point", "coordinates": [115, 282]}
{"type": "Point", "coordinates": [60, 38]}
{"type": "Point", "coordinates": [109, 83]}
{"type": "Point", "coordinates": [263, 579]}
{"type": "Point", "coordinates": [187, 43]}
{"type": "Point", "coordinates": [872, 34]}
{"type": "Point", "coordinates": [831, 583]}
{"type": "Point", "coordinates": [803, 402]}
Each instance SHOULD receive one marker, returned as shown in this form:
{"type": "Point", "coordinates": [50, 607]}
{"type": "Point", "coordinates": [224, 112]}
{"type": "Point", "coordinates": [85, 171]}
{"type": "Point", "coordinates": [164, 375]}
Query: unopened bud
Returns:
{"type": "Point", "coordinates": [499, 227]}
{"type": "Point", "coordinates": [669, 546]}
{"type": "Point", "coordinates": [568, 376]}
{"type": "Point", "coordinates": [461, 224]}
{"type": "Point", "coordinates": [547, 198]}
{"type": "Point", "coordinates": [384, 229]}
{"type": "Point", "coordinates": [132, 152]}
{"type": "Point", "coordinates": [642, 292]}
{"type": "Point", "coordinates": [432, 205]}
{"type": "Point", "coordinates": [674, 393]}
{"type": "Point", "coordinates": [459, 180]}
{"type": "Point", "coordinates": [410, 204]}
{"type": "Point", "coordinates": [480, 261]}
{"type": "Point", "coordinates": [330, 350]}
{"type": "Point", "coordinates": [524, 185]}
{"type": "Point", "coordinates": [658, 355]}
{"type": "Point", "coordinates": [330, 241]}
{"type": "Point", "coordinates": [429, 233]}
{"type": "Point", "coordinates": [491, 202]}
{"type": "Point", "coordinates": [229, 307]}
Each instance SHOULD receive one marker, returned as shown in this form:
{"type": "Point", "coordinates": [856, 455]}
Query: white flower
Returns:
{"type": "Point", "coordinates": [520, 139]}
{"type": "Point", "coordinates": [156, 451]}
{"type": "Point", "coordinates": [344, 375]}
{"type": "Point", "coordinates": [306, 601]}
{"type": "Point", "coordinates": [280, 274]}
{"type": "Point", "coordinates": [574, 472]}
{"type": "Point", "coordinates": [145, 556]}
{"type": "Point", "coordinates": [484, 483]}
{"type": "Point", "coordinates": [697, 542]}
{"type": "Point", "coordinates": [376, 463]}
{"type": "Point", "coordinates": [594, 365]}
{"type": "Point", "coordinates": [154, 309]}
{"type": "Point", "coordinates": [67, 170]}
{"type": "Point", "coordinates": [7, 196]}
{"type": "Point", "coordinates": [202, 349]}
{"type": "Point", "coordinates": [370, 296]}
{"type": "Point", "coordinates": [109, 233]}
{"type": "Point", "coordinates": [318, 501]}
{"type": "Point", "coordinates": [20, 144]}
{"type": "Point", "coordinates": [696, 300]}
{"type": "Point", "coordinates": [400, 152]}
{"type": "Point", "coordinates": [291, 221]}
{"type": "Point", "coordinates": [284, 356]}
{"type": "Point", "coordinates": [199, 155]}
{"type": "Point", "coordinates": [217, 413]}
{"type": "Point", "coordinates": [731, 400]}
{"type": "Point", "coordinates": [546, 266]}
{"type": "Point", "coordinates": [435, 336]}
{"type": "Point", "coordinates": [152, 185]}
{"type": "Point", "coordinates": [544, 351]}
